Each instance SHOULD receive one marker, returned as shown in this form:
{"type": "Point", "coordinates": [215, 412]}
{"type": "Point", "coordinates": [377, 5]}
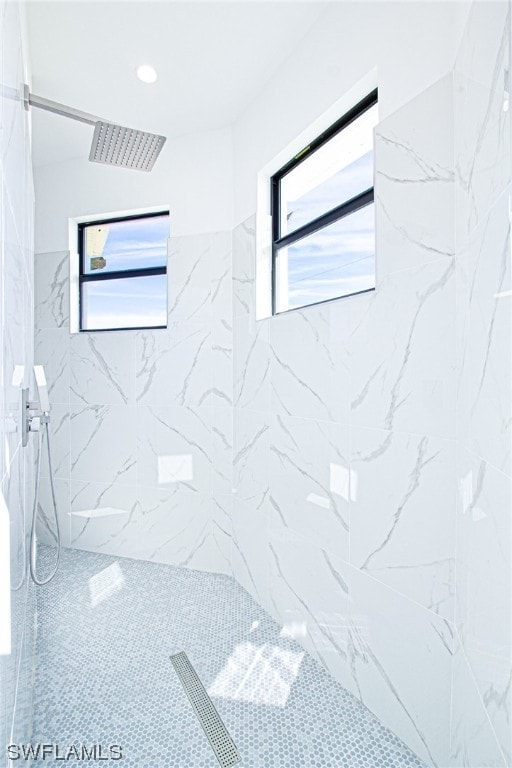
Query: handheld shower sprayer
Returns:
{"type": "Point", "coordinates": [42, 389]}
{"type": "Point", "coordinates": [35, 417]}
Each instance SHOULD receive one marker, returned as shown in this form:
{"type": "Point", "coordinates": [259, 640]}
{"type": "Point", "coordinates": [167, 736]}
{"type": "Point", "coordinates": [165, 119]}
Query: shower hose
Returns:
{"type": "Point", "coordinates": [33, 545]}
{"type": "Point", "coordinates": [33, 541]}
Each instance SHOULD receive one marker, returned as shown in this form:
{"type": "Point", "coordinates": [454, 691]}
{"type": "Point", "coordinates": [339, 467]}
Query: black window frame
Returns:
{"type": "Point", "coordinates": [84, 277]}
{"type": "Point", "coordinates": [334, 214]}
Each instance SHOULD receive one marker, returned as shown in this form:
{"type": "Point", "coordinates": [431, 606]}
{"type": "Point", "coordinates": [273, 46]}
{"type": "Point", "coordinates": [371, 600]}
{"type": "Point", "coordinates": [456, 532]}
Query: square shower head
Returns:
{"type": "Point", "coordinates": [125, 147]}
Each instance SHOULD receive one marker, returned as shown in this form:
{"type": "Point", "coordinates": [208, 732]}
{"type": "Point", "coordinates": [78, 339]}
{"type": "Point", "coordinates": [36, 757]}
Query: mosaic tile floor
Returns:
{"type": "Point", "coordinates": [106, 628]}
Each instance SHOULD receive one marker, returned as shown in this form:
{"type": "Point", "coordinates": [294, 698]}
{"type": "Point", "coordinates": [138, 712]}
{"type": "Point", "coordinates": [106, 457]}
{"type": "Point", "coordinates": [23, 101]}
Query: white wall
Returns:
{"type": "Point", "coordinates": [412, 44]}
{"type": "Point", "coordinates": [193, 176]}
{"type": "Point", "coordinates": [208, 179]}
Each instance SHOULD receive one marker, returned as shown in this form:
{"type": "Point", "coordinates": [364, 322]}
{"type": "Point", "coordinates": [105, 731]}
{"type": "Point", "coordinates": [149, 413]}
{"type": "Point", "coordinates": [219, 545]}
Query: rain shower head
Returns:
{"type": "Point", "coordinates": [125, 147]}
{"type": "Point", "coordinates": [111, 144]}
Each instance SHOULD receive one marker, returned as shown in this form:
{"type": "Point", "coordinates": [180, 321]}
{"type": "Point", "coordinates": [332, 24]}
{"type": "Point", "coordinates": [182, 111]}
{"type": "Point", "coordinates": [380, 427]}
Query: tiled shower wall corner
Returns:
{"type": "Point", "coordinates": [16, 358]}
{"type": "Point", "coordinates": [142, 420]}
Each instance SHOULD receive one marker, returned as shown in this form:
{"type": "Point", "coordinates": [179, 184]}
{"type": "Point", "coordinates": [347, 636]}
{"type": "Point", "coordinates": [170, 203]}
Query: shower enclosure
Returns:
{"type": "Point", "coordinates": [314, 506]}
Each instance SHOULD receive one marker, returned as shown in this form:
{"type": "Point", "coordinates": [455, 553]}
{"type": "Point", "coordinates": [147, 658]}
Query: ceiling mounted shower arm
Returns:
{"type": "Point", "coordinates": [112, 144]}
{"type": "Point", "coordinates": [31, 100]}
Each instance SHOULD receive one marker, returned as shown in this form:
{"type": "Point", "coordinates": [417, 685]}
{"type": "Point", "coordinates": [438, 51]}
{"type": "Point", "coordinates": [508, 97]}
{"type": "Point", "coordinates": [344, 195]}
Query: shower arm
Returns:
{"type": "Point", "coordinates": [112, 144]}
{"type": "Point", "coordinates": [31, 100]}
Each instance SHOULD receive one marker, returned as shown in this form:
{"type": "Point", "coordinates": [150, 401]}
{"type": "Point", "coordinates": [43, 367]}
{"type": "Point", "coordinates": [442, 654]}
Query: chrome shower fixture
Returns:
{"type": "Point", "coordinates": [111, 144]}
{"type": "Point", "coordinates": [35, 417]}
{"type": "Point", "coordinates": [34, 413]}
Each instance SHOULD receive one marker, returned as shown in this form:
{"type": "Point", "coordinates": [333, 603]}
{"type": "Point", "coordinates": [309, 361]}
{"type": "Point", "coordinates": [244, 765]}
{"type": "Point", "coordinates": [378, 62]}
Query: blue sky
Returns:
{"type": "Point", "coordinates": [344, 185]}
{"type": "Point", "coordinates": [334, 261]}
{"type": "Point", "coordinates": [136, 243]}
{"type": "Point", "coordinates": [142, 301]}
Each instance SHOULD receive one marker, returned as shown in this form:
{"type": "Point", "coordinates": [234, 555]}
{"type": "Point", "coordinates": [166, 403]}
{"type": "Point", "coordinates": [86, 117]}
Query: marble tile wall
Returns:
{"type": "Point", "coordinates": [142, 420]}
{"type": "Point", "coordinates": [372, 435]}
{"type": "Point", "coordinates": [482, 679]}
{"type": "Point", "coordinates": [16, 358]}
{"type": "Point", "coordinates": [344, 446]}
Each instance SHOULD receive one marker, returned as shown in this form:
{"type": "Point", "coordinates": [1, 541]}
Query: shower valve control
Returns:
{"type": "Point", "coordinates": [32, 415]}
{"type": "Point", "coordinates": [34, 424]}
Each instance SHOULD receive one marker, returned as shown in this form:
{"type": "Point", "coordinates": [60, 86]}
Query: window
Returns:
{"type": "Point", "coordinates": [323, 231]}
{"type": "Point", "coordinates": [123, 272]}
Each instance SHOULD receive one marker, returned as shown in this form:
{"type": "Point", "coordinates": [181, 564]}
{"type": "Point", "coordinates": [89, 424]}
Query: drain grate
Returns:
{"type": "Point", "coordinates": [217, 733]}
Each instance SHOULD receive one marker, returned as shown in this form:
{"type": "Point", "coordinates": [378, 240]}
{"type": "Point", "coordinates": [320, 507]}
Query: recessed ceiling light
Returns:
{"type": "Point", "coordinates": [146, 73]}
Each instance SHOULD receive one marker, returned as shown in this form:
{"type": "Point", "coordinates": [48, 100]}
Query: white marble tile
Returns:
{"type": "Point", "coordinates": [102, 368]}
{"type": "Point", "coordinates": [463, 288]}
{"type": "Point", "coordinates": [309, 596]}
{"type": "Point", "coordinates": [414, 182]}
{"type": "Point", "coordinates": [52, 350]}
{"type": "Point", "coordinates": [402, 352]}
{"type": "Point", "coordinates": [251, 361]}
{"type": "Point", "coordinates": [46, 530]}
{"type": "Point", "coordinates": [485, 330]}
{"type": "Point", "coordinates": [28, 224]}
{"type": "Point", "coordinates": [484, 591]}
{"type": "Point", "coordinates": [482, 121]}
{"type": "Point", "coordinates": [173, 367]}
{"type": "Point", "coordinates": [199, 271]}
{"type": "Point", "coordinates": [103, 444]}
{"type": "Point", "coordinates": [251, 445]}
{"type": "Point", "coordinates": [221, 420]}
{"type": "Point", "coordinates": [222, 506]}
{"type": "Point", "coordinates": [29, 459]}
{"type": "Point", "coordinates": [244, 268]}
{"type": "Point", "coordinates": [402, 514]}
{"type": "Point", "coordinates": [203, 551]}
{"type": "Point", "coordinates": [60, 437]}
{"type": "Point", "coordinates": [222, 276]}
{"type": "Point", "coordinates": [51, 276]}
{"type": "Point", "coordinates": [309, 364]}
{"type": "Point", "coordinates": [221, 390]}
{"type": "Point", "coordinates": [484, 556]}
{"type": "Point", "coordinates": [176, 526]}
{"type": "Point", "coordinates": [310, 481]}
{"type": "Point", "coordinates": [400, 660]}
{"type": "Point", "coordinates": [473, 740]}
{"type": "Point", "coordinates": [482, 151]}
{"type": "Point", "coordinates": [190, 278]}
{"type": "Point", "coordinates": [174, 448]}
{"type": "Point", "coordinates": [13, 492]}
{"type": "Point", "coordinates": [250, 550]}
{"type": "Point", "coordinates": [14, 335]}
{"type": "Point", "coordinates": [493, 677]}
{"type": "Point", "coordinates": [484, 48]}
{"type": "Point", "coordinates": [28, 321]}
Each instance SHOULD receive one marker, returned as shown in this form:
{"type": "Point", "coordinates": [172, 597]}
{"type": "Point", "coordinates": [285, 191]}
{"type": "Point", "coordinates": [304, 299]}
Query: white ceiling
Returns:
{"type": "Point", "coordinates": [212, 59]}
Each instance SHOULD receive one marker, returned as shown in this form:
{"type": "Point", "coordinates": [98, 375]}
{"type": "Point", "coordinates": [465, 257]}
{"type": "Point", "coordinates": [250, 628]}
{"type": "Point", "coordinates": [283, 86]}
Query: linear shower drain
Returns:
{"type": "Point", "coordinates": [215, 730]}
